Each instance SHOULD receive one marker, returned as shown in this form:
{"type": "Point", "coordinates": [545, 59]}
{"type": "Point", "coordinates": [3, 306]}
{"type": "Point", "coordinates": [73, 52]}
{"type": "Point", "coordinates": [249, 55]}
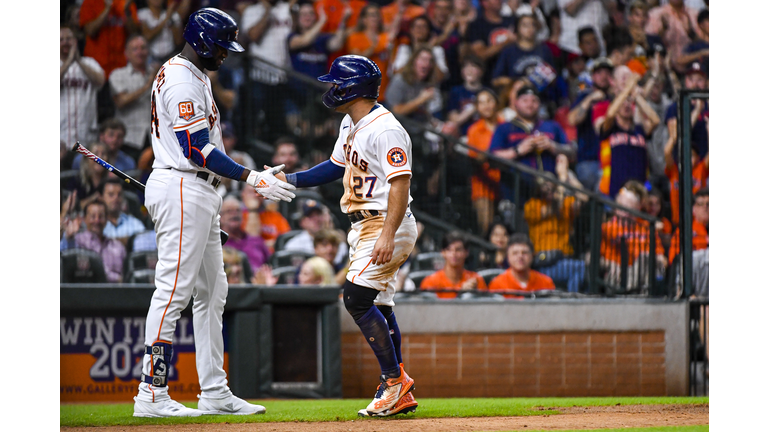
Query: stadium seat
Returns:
{"type": "Point", "coordinates": [293, 258]}
{"type": "Point", "coordinates": [428, 261]}
{"type": "Point", "coordinates": [247, 269]}
{"type": "Point", "coordinates": [489, 274]}
{"type": "Point", "coordinates": [141, 260]}
{"type": "Point", "coordinates": [418, 276]}
{"type": "Point", "coordinates": [285, 275]}
{"type": "Point", "coordinates": [143, 276]}
{"type": "Point", "coordinates": [283, 239]}
{"type": "Point", "coordinates": [82, 266]}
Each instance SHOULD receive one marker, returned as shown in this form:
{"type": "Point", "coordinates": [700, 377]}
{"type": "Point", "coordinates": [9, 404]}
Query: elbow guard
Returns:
{"type": "Point", "coordinates": [195, 145]}
{"type": "Point", "coordinates": [197, 148]}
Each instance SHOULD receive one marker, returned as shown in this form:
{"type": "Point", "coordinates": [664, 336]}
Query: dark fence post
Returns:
{"type": "Point", "coordinates": [594, 245]}
{"type": "Point", "coordinates": [686, 184]}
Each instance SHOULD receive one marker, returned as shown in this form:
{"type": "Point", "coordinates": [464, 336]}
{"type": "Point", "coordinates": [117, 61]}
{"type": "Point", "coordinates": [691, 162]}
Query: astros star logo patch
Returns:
{"type": "Point", "coordinates": [396, 157]}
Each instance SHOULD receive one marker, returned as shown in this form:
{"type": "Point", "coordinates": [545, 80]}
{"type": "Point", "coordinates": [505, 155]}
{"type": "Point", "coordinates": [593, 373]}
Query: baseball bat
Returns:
{"type": "Point", "coordinates": [125, 177]}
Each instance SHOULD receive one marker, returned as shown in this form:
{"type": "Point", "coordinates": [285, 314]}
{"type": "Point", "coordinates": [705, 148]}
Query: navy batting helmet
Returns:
{"type": "Point", "coordinates": [353, 77]}
{"type": "Point", "coordinates": [209, 26]}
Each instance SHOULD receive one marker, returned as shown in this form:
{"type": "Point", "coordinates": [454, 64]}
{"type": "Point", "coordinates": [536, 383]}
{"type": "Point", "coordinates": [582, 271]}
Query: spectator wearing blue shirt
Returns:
{"type": "Point", "coordinates": [112, 135]}
{"type": "Point", "coordinates": [528, 139]}
{"type": "Point", "coordinates": [695, 78]}
{"type": "Point", "coordinates": [308, 47]}
{"type": "Point", "coordinates": [120, 225]}
{"type": "Point", "coordinates": [581, 116]}
{"type": "Point", "coordinates": [521, 58]}
{"type": "Point", "coordinates": [462, 98]}
{"type": "Point", "coordinates": [489, 34]}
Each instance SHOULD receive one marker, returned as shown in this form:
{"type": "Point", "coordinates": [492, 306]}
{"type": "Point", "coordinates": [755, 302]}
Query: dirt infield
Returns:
{"type": "Point", "coordinates": [570, 418]}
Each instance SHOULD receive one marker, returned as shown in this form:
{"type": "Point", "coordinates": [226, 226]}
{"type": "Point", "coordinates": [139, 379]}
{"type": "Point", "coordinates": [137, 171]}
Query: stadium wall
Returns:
{"type": "Point", "coordinates": [600, 347]}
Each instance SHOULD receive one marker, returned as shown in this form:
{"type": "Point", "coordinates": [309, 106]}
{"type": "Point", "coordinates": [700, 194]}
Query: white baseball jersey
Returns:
{"type": "Point", "coordinates": [182, 101]}
{"type": "Point", "coordinates": [77, 104]}
{"type": "Point", "coordinates": [373, 152]}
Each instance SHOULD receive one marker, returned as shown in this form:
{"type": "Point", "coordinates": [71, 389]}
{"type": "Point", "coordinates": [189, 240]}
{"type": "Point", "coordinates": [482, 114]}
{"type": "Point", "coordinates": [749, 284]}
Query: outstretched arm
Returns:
{"type": "Point", "coordinates": [320, 174]}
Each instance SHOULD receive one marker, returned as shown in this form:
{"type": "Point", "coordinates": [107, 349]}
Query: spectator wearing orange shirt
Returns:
{"type": "Point", "coordinates": [107, 25]}
{"type": "Point", "coordinates": [370, 40]}
{"type": "Point", "coordinates": [520, 276]}
{"type": "Point", "coordinates": [626, 242]}
{"type": "Point", "coordinates": [398, 14]}
{"type": "Point", "coordinates": [334, 11]}
{"type": "Point", "coordinates": [700, 226]}
{"type": "Point", "coordinates": [550, 215]}
{"type": "Point", "coordinates": [485, 182]}
{"type": "Point", "coordinates": [654, 206]}
{"type": "Point", "coordinates": [453, 276]}
{"type": "Point", "coordinates": [699, 174]}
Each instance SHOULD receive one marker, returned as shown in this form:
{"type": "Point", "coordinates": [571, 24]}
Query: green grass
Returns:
{"type": "Point", "coordinates": [346, 409]}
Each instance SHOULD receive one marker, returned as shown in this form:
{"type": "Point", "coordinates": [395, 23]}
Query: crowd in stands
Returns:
{"type": "Point", "coordinates": [583, 91]}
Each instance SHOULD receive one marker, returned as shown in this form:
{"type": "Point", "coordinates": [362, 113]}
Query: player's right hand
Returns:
{"type": "Point", "coordinates": [269, 186]}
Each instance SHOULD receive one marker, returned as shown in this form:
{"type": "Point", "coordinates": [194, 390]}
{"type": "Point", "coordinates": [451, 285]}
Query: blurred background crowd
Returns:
{"type": "Point", "coordinates": [544, 131]}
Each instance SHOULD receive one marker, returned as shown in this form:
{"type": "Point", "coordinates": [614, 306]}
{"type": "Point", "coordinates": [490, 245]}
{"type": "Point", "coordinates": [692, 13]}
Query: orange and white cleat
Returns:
{"type": "Point", "coordinates": [389, 393]}
{"type": "Point", "coordinates": [405, 405]}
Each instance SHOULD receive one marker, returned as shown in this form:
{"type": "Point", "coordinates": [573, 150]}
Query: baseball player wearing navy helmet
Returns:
{"type": "Point", "coordinates": [373, 155]}
{"type": "Point", "coordinates": [182, 200]}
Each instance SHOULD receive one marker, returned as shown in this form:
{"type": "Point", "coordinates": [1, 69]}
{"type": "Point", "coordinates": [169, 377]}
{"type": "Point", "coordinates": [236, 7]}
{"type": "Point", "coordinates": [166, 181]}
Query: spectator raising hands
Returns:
{"type": "Point", "coordinates": [370, 40]}
{"type": "Point", "coordinates": [80, 78]}
{"type": "Point", "coordinates": [162, 27]}
{"type": "Point", "coordinates": [309, 48]}
{"type": "Point", "coordinates": [623, 152]}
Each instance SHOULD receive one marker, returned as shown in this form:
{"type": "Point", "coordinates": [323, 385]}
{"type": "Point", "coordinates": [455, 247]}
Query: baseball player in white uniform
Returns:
{"type": "Point", "coordinates": [373, 155]}
{"type": "Point", "coordinates": [181, 199]}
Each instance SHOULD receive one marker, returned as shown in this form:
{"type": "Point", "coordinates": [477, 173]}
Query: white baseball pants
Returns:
{"type": "Point", "coordinates": [362, 238]}
{"type": "Point", "coordinates": [185, 210]}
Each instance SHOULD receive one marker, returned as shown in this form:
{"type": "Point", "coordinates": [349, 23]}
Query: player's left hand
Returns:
{"type": "Point", "coordinates": [269, 186]}
{"type": "Point", "coordinates": [383, 250]}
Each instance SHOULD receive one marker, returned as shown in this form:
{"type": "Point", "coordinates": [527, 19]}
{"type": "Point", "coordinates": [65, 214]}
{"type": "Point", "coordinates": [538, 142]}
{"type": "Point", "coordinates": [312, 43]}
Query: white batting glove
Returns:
{"type": "Point", "coordinates": [269, 186]}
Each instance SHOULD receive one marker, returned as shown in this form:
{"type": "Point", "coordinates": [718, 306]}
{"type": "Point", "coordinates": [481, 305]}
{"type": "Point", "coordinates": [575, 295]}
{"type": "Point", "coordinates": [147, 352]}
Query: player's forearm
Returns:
{"type": "Point", "coordinates": [396, 204]}
{"type": "Point", "coordinates": [320, 174]}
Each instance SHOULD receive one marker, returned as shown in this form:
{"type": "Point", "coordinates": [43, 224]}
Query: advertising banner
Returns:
{"type": "Point", "coordinates": [100, 359]}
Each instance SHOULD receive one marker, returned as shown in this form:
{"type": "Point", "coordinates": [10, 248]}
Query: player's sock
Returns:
{"type": "Point", "coordinates": [394, 330]}
{"type": "Point", "coordinates": [359, 302]}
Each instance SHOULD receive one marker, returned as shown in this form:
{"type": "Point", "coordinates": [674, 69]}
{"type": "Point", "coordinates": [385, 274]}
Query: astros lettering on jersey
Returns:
{"type": "Point", "coordinates": [373, 152]}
